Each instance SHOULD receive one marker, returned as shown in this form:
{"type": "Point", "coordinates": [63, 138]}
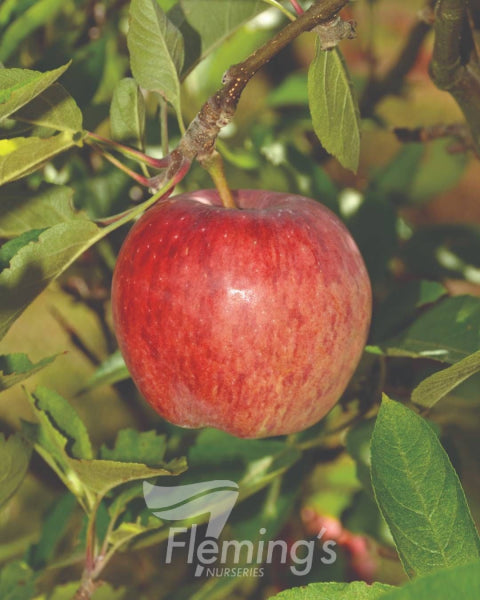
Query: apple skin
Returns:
{"type": "Point", "coordinates": [250, 320]}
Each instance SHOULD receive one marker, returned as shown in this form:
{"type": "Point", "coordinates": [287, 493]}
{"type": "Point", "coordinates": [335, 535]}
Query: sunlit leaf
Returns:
{"type": "Point", "coordinates": [21, 156]}
{"type": "Point", "coordinates": [100, 476]}
{"type": "Point", "coordinates": [19, 86]}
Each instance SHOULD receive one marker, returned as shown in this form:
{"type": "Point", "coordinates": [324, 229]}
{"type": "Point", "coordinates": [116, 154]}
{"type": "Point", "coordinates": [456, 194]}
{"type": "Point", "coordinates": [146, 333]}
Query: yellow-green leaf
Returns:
{"type": "Point", "coordinates": [21, 156]}
{"type": "Point", "coordinates": [19, 86]}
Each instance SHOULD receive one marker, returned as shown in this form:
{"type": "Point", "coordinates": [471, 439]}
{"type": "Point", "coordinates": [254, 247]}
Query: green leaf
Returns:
{"type": "Point", "coordinates": [39, 262]}
{"type": "Point", "coordinates": [133, 446]}
{"type": "Point", "coordinates": [17, 367]}
{"type": "Point", "coordinates": [17, 582]}
{"type": "Point", "coordinates": [63, 442]}
{"type": "Point", "coordinates": [357, 590]}
{"type": "Point", "coordinates": [112, 370]}
{"type": "Point", "coordinates": [205, 25]}
{"type": "Point", "coordinates": [54, 525]}
{"type": "Point", "coordinates": [10, 248]}
{"type": "Point", "coordinates": [461, 582]}
{"type": "Point", "coordinates": [419, 493]}
{"type": "Point", "coordinates": [100, 476]}
{"type": "Point", "coordinates": [401, 305]}
{"type": "Point", "coordinates": [60, 423]}
{"type": "Point", "coordinates": [53, 108]}
{"type": "Point", "coordinates": [127, 113]}
{"type": "Point", "coordinates": [15, 455]}
{"type": "Point", "coordinates": [21, 212]}
{"type": "Point", "coordinates": [156, 50]}
{"type": "Point", "coordinates": [449, 332]}
{"type": "Point", "coordinates": [19, 86]}
{"type": "Point", "coordinates": [334, 108]}
{"type": "Point", "coordinates": [434, 388]}
{"type": "Point", "coordinates": [21, 156]}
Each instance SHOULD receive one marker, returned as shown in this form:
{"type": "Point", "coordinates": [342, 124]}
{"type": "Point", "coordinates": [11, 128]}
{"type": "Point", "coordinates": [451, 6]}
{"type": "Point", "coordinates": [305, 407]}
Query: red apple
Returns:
{"type": "Point", "coordinates": [251, 320]}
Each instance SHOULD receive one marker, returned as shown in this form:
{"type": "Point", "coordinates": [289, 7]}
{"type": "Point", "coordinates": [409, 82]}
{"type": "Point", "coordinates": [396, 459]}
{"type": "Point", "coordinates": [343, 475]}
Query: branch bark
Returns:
{"type": "Point", "coordinates": [451, 70]}
{"type": "Point", "coordinates": [199, 139]}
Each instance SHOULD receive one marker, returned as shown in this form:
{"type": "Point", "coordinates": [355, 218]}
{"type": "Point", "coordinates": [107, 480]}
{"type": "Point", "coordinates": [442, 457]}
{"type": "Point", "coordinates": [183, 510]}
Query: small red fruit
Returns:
{"type": "Point", "coordinates": [250, 320]}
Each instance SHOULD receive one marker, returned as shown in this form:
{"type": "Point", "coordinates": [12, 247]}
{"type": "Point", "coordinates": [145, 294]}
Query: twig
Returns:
{"type": "Point", "coordinates": [157, 163]}
{"type": "Point", "coordinates": [458, 131]}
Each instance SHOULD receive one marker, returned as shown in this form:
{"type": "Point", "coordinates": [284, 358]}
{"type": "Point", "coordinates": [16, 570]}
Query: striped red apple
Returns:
{"type": "Point", "coordinates": [251, 320]}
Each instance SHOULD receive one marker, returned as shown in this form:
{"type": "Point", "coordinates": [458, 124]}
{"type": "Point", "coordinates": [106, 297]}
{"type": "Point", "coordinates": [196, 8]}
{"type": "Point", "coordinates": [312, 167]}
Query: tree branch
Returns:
{"type": "Point", "coordinates": [450, 69]}
{"type": "Point", "coordinates": [199, 139]}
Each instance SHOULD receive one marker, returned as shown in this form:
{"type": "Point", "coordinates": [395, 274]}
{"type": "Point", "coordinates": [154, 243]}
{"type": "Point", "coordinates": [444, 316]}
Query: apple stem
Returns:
{"type": "Point", "coordinates": [214, 165]}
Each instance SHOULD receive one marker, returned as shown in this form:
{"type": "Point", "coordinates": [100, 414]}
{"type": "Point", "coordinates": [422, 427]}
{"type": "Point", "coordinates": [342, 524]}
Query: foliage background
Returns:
{"type": "Point", "coordinates": [413, 209]}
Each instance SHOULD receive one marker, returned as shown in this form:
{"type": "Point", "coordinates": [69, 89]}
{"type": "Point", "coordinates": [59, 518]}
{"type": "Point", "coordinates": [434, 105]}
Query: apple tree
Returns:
{"type": "Point", "coordinates": [326, 157]}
